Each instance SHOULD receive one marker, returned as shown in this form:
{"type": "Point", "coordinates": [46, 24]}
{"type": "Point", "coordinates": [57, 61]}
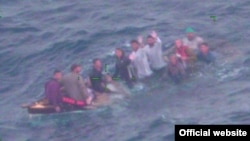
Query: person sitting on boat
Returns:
{"type": "Point", "coordinates": [97, 78]}
{"type": "Point", "coordinates": [122, 67]}
{"type": "Point", "coordinates": [204, 54]}
{"type": "Point", "coordinates": [53, 90]}
{"type": "Point", "coordinates": [175, 68]}
{"type": "Point", "coordinates": [191, 40]}
{"type": "Point", "coordinates": [75, 88]}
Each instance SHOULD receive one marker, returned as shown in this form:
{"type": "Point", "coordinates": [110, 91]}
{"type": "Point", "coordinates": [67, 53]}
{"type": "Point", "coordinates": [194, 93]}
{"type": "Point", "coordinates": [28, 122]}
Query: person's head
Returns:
{"type": "Point", "coordinates": [135, 45]}
{"type": "Point", "coordinates": [76, 68]}
{"type": "Point", "coordinates": [178, 43]}
{"type": "Point", "coordinates": [150, 40]}
{"type": "Point", "coordinates": [97, 63]}
{"type": "Point", "coordinates": [119, 52]}
{"type": "Point", "coordinates": [190, 33]}
{"type": "Point", "coordinates": [57, 75]}
{"type": "Point", "coordinates": [204, 48]}
{"type": "Point", "coordinates": [173, 59]}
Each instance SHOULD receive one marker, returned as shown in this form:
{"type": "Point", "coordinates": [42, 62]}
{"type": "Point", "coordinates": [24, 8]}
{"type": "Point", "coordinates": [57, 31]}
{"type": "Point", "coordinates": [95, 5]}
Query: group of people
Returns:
{"type": "Point", "coordinates": [144, 60]}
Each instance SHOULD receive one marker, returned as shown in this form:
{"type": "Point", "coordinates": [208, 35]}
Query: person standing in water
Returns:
{"type": "Point", "coordinates": [175, 68]}
{"type": "Point", "coordinates": [122, 67]}
{"type": "Point", "coordinates": [183, 52]}
{"type": "Point", "coordinates": [97, 78]}
{"type": "Point", "coordinates": [204, 54]}
{"type": "Point", "coordinates": [139, 60]}
{"type": "Point", "coordinates": [53, 90]}
{"type": "Point", "coordinates": [192, 41]}
{"type": "Point", "coordinates": [154, 52]}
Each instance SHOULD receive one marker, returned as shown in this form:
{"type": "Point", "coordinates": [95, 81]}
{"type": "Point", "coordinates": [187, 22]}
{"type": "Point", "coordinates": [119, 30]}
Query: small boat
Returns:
{"type": "Point", "coordinates": [42, 106]}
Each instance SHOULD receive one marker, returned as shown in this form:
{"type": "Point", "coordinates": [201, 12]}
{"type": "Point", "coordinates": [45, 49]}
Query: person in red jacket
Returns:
{"type": "Point", "coordinates": [185, 54]}
{"type": "Point", "coordinates": [181, 51]}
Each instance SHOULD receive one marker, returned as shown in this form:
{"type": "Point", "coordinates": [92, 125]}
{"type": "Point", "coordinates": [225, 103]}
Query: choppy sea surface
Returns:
{"type": "Point", "coordinates": [38, 36]}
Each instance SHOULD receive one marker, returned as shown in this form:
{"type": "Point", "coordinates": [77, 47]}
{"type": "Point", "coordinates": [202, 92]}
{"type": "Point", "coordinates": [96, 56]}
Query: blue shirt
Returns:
{"type": "Point", "coordinates": [207, 58]}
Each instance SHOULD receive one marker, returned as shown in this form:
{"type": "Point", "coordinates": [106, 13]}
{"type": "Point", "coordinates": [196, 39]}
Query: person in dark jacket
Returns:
{"type": "Point", "coordinates": [96, 77]}
{"type": "Point", "coordinates": [205, 54]}
{"type": "Point", "coordinates": [122, 67]}
{"type": "Point", "coordinates": [53, 90]}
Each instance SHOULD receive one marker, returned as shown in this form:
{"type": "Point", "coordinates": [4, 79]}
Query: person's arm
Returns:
{"type": "Point", "coordinates": [140, 41]}
{"type": "Point", "coordinates": [82, 85]}
{"type": "Point", "coordinates": [156, 37]}
{"type": "Point", "coordinates": [158, 43]}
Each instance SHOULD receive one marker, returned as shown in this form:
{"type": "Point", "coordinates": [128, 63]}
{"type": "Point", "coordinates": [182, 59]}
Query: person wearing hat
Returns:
{"type": "Point", "coordinates": [192, 41]}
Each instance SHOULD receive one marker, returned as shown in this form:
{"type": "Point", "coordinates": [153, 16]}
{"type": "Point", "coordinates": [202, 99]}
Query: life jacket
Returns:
{"type": "Point", "coordinates": [73, 101]}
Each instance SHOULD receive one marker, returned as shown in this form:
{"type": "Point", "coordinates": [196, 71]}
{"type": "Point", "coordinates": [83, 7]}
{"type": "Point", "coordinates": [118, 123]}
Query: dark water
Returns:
{"type": "Point", "coordinates": [39, 36]}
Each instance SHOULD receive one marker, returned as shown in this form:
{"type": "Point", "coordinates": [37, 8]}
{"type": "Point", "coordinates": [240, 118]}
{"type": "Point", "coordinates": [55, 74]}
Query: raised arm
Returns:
{"type": "Point", "coordinates": [140, 40]}
{"type": "Point", "coordinates": [157, 39]}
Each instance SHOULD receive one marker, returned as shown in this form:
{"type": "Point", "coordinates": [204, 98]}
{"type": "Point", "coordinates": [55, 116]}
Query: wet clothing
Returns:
{"type": "Point", "coordinates": [176, 71]}
{"type": "Point", "coordinates": [182, 51]}
{"type": "Point", "coordinates": [187, 55]}
{"type": "Point", "coordinates": [74, 86]}
{"type": "Point", "coordinates": [53, 92]}
{"type": "Point", "coordinates": [122, 70]}
{"type": "Point", "coordinates": [193, 44]}
{"type": "Point", "coordinates": [97, 79]}
{"type": "Point", "coordinates": [155, 56]}
{"type": "Point", "coordinates": [207, 58]}
{"type": "Point", "coordinates": [141, 64]}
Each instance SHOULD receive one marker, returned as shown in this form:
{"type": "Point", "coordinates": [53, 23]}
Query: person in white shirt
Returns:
{"type": "Point", "coordinates": [192, 41]}
{"type": "Point", "coordinates": [154, 52]}
{"type": "Point", "coordinates": [141, 42]}
{"type": "Point", "coordinates": [139, 60]}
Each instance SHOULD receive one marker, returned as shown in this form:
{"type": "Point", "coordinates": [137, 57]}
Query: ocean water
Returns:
{"type": "Point", "coordinates": [38, 36]}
